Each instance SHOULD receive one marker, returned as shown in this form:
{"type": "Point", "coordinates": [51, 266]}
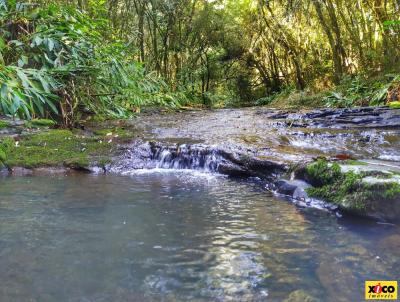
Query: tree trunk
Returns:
{"type": "Point", "coordinates": [337, 61]}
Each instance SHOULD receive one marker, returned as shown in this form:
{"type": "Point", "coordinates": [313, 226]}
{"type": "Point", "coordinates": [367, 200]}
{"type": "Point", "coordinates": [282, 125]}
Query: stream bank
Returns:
{"type": "Point", "coordinates": [349, 158]}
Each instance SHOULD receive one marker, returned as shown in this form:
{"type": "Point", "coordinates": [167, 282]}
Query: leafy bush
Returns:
{"type": "Point", "coordinates": [54, 62]}
{"type": "Point", "coordinates": [358, 91]}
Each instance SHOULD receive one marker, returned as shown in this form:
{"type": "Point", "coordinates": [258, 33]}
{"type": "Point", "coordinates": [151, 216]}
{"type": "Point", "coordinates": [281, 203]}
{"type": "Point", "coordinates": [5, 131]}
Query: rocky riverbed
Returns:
{"type": "Point", "coordinates": [348, 157]}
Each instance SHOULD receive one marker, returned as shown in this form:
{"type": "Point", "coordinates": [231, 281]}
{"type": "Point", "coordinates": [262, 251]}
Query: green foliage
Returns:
{"type": "Point", "coordinates": [267, 100]}
{"type": "Point", "coordinates": [358, 91]}
{"type": "Point", "coordinates": [391, 24]}
{"type": "Point", "coordinates": [394, 105]}
{"type": "Point", "coordinates": [3, 124]}
{"type": "Point", "coordinates": [2, 156]}
{"type": "Point", "coordinates": [6, 144]}
{"type": "Point", "coordinates": [25, 92]}
{"type": "Point", "coordinates": [40, 123]}
{"type": "Point", "coordinates": [55, 61]}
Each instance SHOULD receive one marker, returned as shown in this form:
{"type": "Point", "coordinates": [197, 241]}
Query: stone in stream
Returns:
{"type": "Point", "coordinates": [390, 244]}
{"type": "Point", "coordinates": [344, 118]}
{"type": "Point", "coordinates": [332, 276]}
{"type": "Point", "coordinates": [300, 296]}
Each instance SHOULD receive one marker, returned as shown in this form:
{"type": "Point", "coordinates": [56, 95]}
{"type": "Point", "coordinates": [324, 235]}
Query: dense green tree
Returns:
{"type": "Point", "coordinates": [219, 51]}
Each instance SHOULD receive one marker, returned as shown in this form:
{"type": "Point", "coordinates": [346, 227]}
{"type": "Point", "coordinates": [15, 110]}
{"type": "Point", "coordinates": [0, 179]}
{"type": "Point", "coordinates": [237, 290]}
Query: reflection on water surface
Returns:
{"type": "Point", "coordinates": [179, 237]}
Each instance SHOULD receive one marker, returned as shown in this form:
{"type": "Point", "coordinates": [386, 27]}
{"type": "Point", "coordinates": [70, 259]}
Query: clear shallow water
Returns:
{"type": "Point", "coordinates": [179, 237]}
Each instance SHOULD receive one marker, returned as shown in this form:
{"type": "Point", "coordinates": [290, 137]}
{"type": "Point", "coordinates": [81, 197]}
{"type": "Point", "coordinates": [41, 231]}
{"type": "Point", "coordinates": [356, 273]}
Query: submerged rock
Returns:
{"type": "Point", "coordinates": [332, 275]}
{"type": "Point", "coordinates": [293, 188]}
{"type": "Point", "coordinates": [300, 296]}
{"type": "Point", "coordinates": [390, 244]}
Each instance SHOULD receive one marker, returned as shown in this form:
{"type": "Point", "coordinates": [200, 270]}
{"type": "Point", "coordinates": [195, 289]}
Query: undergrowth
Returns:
{"type": "Point", "coordinates": [352, 92]}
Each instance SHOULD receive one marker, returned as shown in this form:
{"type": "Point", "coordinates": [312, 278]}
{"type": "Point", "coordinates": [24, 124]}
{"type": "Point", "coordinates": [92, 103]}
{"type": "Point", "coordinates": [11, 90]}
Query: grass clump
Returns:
{"type": "Point", "coordinates": [4, 124]}
{"type": "Point", "coordinates": [5, 145]}
{"type": "Point", "coordinates": [38, 123]}
{"type": "Point", "coordinates": [56, 148]}
{"type": "Point", "coordinates": [3, 156]}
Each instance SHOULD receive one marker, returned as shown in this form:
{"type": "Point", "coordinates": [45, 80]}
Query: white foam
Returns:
{"type": "Point", "coordinates": [196, 173]}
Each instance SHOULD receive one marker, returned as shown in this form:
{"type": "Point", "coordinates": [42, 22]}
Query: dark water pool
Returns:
{"type": "Point", "coordinates": [179, 237]}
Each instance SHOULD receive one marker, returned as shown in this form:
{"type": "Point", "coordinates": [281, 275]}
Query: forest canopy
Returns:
{"type": "Point", "coordinates": [111, 57]}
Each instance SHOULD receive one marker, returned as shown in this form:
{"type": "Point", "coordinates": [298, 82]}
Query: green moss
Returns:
{"type": "Point", "coordinates": [5, 145]}
{"type": "Point", "coordinates": [40, 123]}
{"type": "Point", "coordinates": [113, 132]}
{"type": "Point", "coordinates": [2, 156]}
{"type": "Point", "coordinates": [352, 162]}
{"type": "Point", "coordinates": [57, 148]}
{"type": "Point", "coordinates": [347, 189]}
{"type": "Point", "coordinates": [321, 173]}
{"type": "Point", "coordinates": [4, 124]}
{"type": "Point", "coordinates": [390, 190]}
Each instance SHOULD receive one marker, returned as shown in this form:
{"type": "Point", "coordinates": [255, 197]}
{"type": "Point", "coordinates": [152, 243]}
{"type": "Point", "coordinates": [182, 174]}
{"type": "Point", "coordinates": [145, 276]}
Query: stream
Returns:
{"type": "Point", "coordinates": [183, 213]}
{"type": "Point", "coordinates": [177, 236]}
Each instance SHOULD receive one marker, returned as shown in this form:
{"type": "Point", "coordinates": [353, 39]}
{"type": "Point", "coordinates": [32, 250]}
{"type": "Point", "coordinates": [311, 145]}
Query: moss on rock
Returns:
{"type": "Point", "coordinates": [300, 296]}
{"type": "Point", "coordinates": [5, 144]}
{"type": "Point", "coordinates": [40, 123]}
{"type": "Point", "coordinates": [2, 156]}
{"type": "Point", "coordinates": [348, 190]}
{"type": "Point", "coordinates": [321, 174]}
{"type": "Point", "coordinates": [116, 132]}
{"type": "Point", "coordinates": [56, 148]}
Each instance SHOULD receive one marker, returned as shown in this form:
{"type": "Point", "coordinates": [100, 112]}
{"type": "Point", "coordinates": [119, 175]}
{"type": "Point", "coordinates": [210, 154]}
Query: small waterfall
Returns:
{"type": "Point", "coordinates": [193, 157]}
{"type": "Point", "coordinates": [147, 156]}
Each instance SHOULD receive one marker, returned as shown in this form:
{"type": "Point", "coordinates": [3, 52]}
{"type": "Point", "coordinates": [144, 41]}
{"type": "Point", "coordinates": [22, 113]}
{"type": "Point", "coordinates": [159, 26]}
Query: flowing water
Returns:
{"type": "Point", "coordinates": [181, 236]}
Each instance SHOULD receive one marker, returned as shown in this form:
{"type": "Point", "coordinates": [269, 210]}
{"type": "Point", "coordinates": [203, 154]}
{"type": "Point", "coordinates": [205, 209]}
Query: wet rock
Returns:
{"type": "Point", "coordinates": [390, 244]}
{"type": "Point", "coordinates": [285, 188]}
{"type": "Point", "coordinates": [332, 276]}
{"type": "Point", "coordinates": [293, 188]}
{"type": "Point", "coordinates": [200, 157]}
{"type": "Point", "coordinates": [344, 118]}
{"type": "Point", "coordinates": [3, 170]}
{"type": "Point", "coordinates": [233, 170]}
{"type": "Point", "coordinates": [300, 296]}
{"type": "Point", "coordinates": [18, 171]}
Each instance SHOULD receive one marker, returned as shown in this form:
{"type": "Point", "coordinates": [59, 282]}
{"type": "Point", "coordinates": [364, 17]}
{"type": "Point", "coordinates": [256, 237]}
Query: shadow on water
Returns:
{"type": "Point", "coordinates": [178, 237]}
